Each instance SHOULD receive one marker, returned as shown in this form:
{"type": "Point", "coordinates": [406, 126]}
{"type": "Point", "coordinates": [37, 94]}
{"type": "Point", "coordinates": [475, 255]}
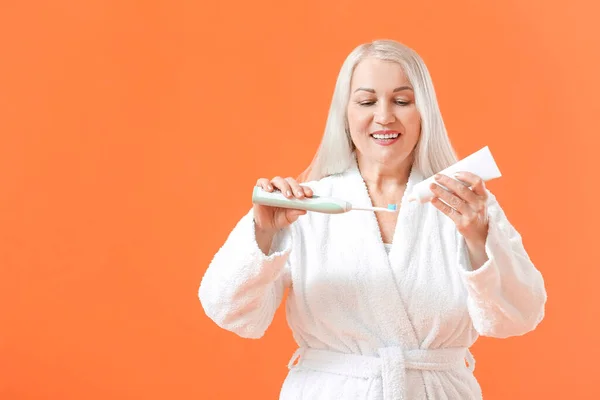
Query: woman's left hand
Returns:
{"type": "Point", "coordinates": [466, 207]}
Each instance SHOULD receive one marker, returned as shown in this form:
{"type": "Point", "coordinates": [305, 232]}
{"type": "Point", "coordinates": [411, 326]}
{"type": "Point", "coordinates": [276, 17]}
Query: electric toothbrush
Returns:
{"type": "Point", "coordinates": [327, 205]}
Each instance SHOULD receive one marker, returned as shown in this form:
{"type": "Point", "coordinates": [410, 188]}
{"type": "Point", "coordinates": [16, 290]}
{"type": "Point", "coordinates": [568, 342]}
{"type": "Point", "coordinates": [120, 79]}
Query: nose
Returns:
{"type": "Point", "coordinates": [384, 115]}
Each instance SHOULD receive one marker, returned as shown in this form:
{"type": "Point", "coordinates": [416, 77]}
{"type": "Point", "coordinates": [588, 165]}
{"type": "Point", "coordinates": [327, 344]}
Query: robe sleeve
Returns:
{"type": "Point", "coordinates": [243, 287]}
{"type": "Point", "coordinates": [506, 295]}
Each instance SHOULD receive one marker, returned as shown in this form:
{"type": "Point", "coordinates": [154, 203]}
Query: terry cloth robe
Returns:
{"type": "Point", "coordinates": [370, 325]}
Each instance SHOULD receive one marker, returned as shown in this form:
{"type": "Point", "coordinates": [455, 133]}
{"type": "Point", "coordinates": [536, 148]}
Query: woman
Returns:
{"type": "Point", "coordinates": [382, 306]}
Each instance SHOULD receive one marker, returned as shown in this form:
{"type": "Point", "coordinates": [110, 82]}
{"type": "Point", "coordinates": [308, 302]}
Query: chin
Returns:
{"type": "Point", "coordinates": [395, 157]}
{"type": "Point", "coordinates": [387, 155]}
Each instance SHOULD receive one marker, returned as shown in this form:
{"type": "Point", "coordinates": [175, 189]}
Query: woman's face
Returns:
{"type": "Point", "coordinates": [383, 119]}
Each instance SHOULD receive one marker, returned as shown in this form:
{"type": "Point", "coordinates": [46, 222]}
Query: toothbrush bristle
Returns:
{"type": "Point", "coordinates": [391, 207]}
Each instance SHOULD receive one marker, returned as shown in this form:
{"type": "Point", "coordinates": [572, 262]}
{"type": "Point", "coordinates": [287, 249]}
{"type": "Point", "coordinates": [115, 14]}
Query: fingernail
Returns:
{"type": "Point", "coordinates": [438, 176]}
{"type": "Point", "coordinates": [269, 187]}
{"type": "Point", "coordinates": [457, 174]}
{"type": "Point", "coordinates": [288, 193]}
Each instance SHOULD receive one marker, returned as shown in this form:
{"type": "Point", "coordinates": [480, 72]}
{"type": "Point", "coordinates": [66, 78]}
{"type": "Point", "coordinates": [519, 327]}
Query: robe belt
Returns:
{"type": "Point", "coordinates": [390, 365]}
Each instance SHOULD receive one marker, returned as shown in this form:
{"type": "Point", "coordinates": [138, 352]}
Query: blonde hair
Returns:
{"type": "Point", "coordinates": [433, 151]}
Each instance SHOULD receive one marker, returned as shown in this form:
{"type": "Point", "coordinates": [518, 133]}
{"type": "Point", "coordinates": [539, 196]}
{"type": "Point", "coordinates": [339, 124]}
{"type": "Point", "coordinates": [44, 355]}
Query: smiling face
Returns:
{"type": "Point", "coordinates": [382, 116]}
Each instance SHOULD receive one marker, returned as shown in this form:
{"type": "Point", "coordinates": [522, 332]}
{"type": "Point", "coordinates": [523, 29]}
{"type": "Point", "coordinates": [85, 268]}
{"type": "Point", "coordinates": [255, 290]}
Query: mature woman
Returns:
{"type": "Point", "coordinates": [382, 306]}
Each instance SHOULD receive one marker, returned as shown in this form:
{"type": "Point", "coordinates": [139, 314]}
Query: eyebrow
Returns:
{"type": "Point", "coordinates": [398, 89]}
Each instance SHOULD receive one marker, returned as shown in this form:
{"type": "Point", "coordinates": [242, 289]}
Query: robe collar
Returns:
{"type": "Point", "coordinates": [404, 242]}
{"type": "Point", "coordinates": [409, 211]}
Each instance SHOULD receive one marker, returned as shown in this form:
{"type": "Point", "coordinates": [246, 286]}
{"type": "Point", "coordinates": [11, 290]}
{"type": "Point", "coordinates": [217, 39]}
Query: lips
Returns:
{"type": "Point", "coordinates": [385, 138]}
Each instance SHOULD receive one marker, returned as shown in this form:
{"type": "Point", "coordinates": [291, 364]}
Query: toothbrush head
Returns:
{"type": "Point", "coordinates": [391, 207]}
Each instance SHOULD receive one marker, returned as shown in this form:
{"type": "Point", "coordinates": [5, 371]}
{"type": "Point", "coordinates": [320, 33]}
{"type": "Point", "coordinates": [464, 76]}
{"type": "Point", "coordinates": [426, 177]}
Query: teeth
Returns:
{"type": "Point", "coordinates": [386, 136]}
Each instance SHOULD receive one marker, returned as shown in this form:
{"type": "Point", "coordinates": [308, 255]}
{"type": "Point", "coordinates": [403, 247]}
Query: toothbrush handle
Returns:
{"type": "Point", "coordinates": [327, 205]}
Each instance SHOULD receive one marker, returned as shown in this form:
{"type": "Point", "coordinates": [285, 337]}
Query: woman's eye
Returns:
{"type": "Point", "coordinates": [367, 103]}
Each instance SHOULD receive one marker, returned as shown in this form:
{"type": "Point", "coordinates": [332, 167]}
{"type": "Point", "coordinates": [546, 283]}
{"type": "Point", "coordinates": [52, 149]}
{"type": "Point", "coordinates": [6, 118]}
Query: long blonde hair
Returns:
{"type": "Point", "coordinates": [433, 151]}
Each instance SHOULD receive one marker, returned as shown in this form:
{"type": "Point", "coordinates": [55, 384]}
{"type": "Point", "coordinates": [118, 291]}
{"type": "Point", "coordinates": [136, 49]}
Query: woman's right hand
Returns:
{"type": "Point", "coordinates": [271, 219]}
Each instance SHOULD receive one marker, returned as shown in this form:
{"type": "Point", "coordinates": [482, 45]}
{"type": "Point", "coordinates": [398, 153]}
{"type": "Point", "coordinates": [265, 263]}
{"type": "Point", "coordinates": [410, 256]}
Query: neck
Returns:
{"type": "Point", "coordinates": [383, 177]}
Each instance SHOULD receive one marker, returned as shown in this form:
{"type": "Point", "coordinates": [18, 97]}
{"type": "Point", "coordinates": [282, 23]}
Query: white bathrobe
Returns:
{"type": "Point", "coordinates": [370, 325]}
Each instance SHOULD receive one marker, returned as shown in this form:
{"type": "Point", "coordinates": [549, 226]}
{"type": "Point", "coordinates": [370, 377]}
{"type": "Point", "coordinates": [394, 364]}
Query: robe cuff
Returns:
{"type": "Point", "coordinates": [242, 250]}
{"type": "Point", "coordinates": [281, 244]}
{"type": "Point", "coordinates": [242, 286]}
{"type": "Point", "coordinates": [486, 277]}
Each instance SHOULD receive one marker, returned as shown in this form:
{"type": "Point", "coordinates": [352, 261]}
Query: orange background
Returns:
{"type": "Point", "coordinates": [132, 132]}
